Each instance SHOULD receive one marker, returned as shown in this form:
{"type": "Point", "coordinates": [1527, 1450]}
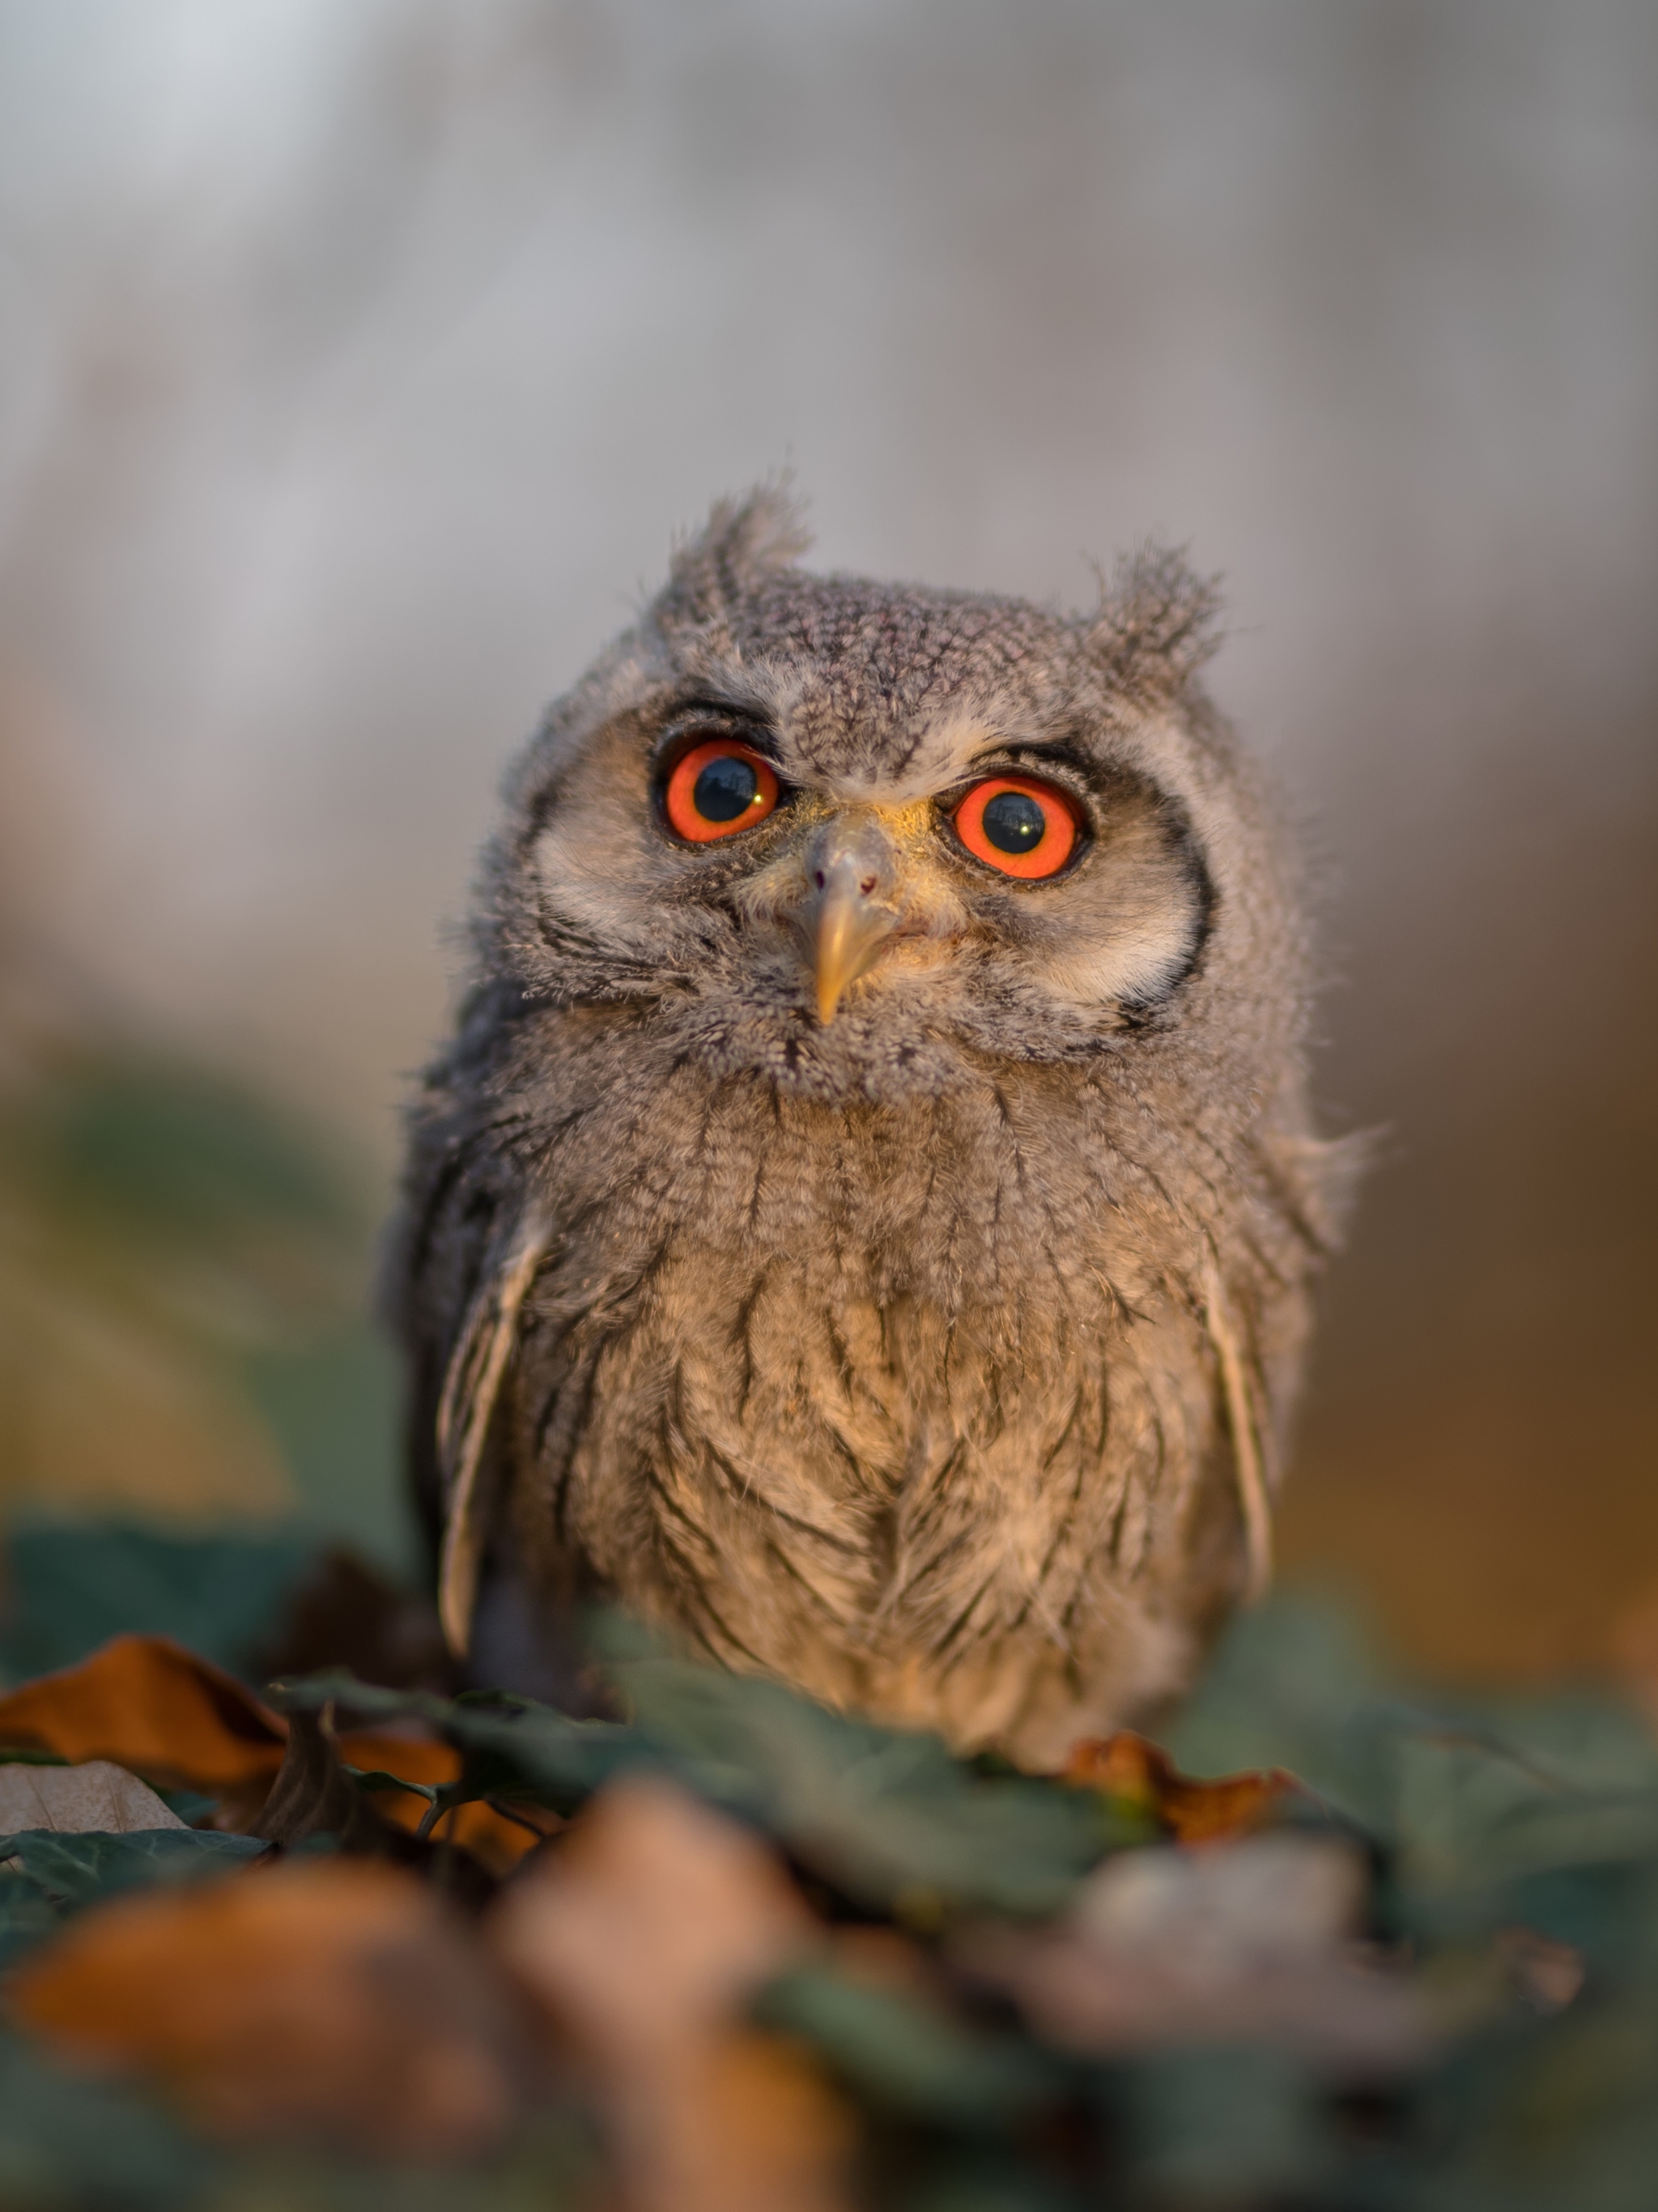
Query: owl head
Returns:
{"type": "Point", "coordinates": [862, 840]}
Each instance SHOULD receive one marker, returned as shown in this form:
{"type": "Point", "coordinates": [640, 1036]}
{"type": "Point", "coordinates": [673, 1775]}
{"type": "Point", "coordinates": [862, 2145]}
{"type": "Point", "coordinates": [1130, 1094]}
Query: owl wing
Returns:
{"type": "Point", "coordinates": [462, 1258]}
{"type": "Point", "coordinates": [1242, 1393]}
{"type": "Point", "coordinates": [465, 1409]}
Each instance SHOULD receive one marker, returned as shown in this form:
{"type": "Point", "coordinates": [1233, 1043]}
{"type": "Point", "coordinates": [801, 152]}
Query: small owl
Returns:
{"type": "Point", "coordinates": [866, 1218]}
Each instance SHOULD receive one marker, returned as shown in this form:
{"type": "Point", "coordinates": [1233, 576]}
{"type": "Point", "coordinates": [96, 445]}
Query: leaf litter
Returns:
{"type": "Point", "coordinates": [733, 1952]}
{"type": "Point", "coordinates": [76, 1800]}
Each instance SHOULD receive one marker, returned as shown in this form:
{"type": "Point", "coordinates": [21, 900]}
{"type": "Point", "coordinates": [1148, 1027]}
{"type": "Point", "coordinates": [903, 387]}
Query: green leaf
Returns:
{"type": "Point", "coordinates": [71, 1587]}
{"type": "Point", "coordinates": [28, 1914]}
{"type": "Point", "coordinates": [76, 1870]}
{"type": "Point", "coordinates": [46, 1876]}
{"type": "Point", "coordinates": [889, 1819]}
{"type": "Point", "coordinates": [910, 2058]}
{"type": "Point", "coordinates": [1226, 2127]}
{"type": "Point", "coordinates": [180, 1153]}
{"type": "Point", "coordinates": [66, 2142]}
{"type": "Point", "coordinates": [332, 1401]}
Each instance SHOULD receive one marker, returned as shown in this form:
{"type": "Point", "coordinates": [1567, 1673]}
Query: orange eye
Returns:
{"type": "Point", "coordinates": [1019, 826]}
{"type": "Point", "coordinates": [717, 789]}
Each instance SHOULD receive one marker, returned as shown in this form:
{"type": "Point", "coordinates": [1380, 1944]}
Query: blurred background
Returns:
{"type": "Point", "coordinates": [358, 360]}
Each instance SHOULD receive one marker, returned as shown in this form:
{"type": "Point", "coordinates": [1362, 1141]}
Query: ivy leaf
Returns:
{"type": "Point", "coordinates": [908, 2057]}
{"type": "Point", "coordinates": [77, 1870]}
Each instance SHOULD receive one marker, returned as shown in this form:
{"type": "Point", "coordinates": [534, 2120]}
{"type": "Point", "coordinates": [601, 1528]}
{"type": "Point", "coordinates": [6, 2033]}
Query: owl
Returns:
{"type": "Point", "coordinates": [865, 1220]}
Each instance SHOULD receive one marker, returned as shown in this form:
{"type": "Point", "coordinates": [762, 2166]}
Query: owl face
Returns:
{"type": "Point", "coordinates": [859, 839]}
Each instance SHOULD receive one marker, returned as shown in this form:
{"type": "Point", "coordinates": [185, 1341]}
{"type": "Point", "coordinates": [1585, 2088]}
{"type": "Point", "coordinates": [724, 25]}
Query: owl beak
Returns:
{"type": "Point", "coordinates": [847, 921]}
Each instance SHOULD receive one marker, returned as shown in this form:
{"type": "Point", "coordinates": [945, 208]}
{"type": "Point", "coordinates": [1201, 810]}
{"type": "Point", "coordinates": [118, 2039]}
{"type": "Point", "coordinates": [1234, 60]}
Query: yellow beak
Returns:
{"type": "Point", "coordinates": [848, 919]}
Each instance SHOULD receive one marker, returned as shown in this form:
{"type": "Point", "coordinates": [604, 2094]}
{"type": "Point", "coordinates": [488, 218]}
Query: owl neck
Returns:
{"type": "Point", "coordinates": [1017, 1181]}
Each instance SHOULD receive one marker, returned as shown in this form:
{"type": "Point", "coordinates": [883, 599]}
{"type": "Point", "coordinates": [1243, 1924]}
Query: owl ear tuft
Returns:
{"type": "Point", "coordinates": [1157, 622]}
{"type": "Point", "coordinates": [744, 541]}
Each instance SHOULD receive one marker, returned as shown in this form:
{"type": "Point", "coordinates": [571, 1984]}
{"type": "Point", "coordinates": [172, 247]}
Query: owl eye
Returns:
{"type": "Point", "coordinates": [717, 788]}
{"type": "Point", "coordinates": [1018, 826]}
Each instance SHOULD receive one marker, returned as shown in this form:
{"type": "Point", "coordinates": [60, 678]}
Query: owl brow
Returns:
{"type": "Point", "coordinates": [709, 707]}
{"type": "Point", "coordinates": [1044, 752]}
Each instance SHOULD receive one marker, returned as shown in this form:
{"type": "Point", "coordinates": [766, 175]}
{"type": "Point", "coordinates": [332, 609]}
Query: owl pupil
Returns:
{"type": "Point", "coordinates": [1013, 821]}
{"type": "Point", "coordinates": [725, 789]}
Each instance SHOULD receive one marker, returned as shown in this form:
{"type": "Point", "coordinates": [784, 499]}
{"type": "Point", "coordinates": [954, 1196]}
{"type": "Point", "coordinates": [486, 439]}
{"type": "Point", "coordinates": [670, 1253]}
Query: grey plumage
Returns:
{"type": "Point", "coordinates": [936, 1356]}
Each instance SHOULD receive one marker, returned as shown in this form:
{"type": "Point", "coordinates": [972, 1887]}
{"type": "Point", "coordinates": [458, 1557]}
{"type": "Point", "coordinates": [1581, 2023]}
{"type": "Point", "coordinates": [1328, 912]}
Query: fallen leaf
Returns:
{"type": "Point", "coordinates": [655, 1920]}
{"type": "Point", "coordinates": [906, 2050]}
{"type": "Point", "coordinates": [1138, 1772]}
{"type": "Point", "coordinates": [644, 1936]}
{"type": "Point", "coordinates": [497, 1839]}
{"type": "Point", "coordinates": [147, 1704]}
{"type": "Point", "coordinates": [314, 1795]}
{"type": "Point", "coordinates": [75, 1800]}
{"type": "Point", "coordinates": [344, 1612]}
{"type": "Point", "coordinates": [68, 1586]}
{"type": "Point", "coordinates": [1546, 1974]}
{"type": "Point", "coordinates": [80, 1868]}
{"type": "Point", "coordinates": [335, 2002]}
{"type": "Point", "coordinates": [1631, 1648]}
{"type": "Point", "coordinates": [50, 1874]}
{"type": "Point", "coordinates": [1251, 1943]}
{"type": "Point", "coordinates": [746, 2124]}
{"type": "Point", "coordinates": [888, 1816]}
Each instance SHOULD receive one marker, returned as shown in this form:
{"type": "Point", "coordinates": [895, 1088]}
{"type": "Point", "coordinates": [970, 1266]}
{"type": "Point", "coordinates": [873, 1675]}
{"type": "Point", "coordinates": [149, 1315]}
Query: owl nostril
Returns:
{"type": "Point", "coordinates": [866, 884]}
{"type": "Point", "coordinates": [818, 877]}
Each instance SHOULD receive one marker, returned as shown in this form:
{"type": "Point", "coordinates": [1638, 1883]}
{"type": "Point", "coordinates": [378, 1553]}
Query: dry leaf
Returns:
{"type": "Point", "coordinates": [1546, 1974]}
{"type": "Point", "coordinates": [146, 1704]}
{"type": "Point", "coordinates": [643, 1937]}
{"type": "Point", "coordinates": [345, 1612]}
{"type": "Point", "coordinates": [497, 1840]}
{"type": "Point", "coordinates": [335, 2002]}
{"type": "Point", "coordinates": [1130, 1767]}
{"type": "Point", "coordinates": [656, 1919]}
{"type": "Point", "coordinates": [314, 1795]}
{"type": "Point", "coordinates": [744, 2122]}
{"type": "Point", "coordinates": [1253, 1941]}
{"type": "Point", "coordinates": [150, 1706]}
{"type": "Point", "coordinates": [1633, 1649]}
{"type": "Point", "coordinates": [76, 1800]}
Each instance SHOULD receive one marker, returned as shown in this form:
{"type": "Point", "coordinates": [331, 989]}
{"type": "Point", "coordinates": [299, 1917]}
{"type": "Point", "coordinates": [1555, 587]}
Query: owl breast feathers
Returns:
{"type": "Point", "coordinates": [866, 1218]}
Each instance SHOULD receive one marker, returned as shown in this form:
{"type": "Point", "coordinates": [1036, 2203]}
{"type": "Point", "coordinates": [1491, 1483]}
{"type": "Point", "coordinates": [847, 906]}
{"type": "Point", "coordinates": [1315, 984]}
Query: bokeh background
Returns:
{"type": "Point", "coordinates": [358, 360]}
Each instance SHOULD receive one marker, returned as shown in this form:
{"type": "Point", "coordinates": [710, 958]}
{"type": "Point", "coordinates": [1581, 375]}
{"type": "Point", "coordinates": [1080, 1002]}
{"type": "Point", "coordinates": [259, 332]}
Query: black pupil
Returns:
{"type": "Point", "coordinates": [726, 788]}
{"type": "Point", "coordinates": [1013, 821]}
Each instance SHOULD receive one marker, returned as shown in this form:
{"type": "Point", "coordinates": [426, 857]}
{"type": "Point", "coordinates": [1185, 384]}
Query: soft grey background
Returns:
{"type": "Point", "coordinates": [358, 359]}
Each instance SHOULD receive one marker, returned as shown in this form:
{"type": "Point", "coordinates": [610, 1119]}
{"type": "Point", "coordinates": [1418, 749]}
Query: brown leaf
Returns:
{"type": "Point", "coordinates": [1130, 1767]}
{"type": "Point", "coordinates": [314, 1795]}
{"type": "Point", "coordinates": [1546, 1974]}
{"type": "Point", "coordinates": [148, 1704]}
{"type": "Point", "coordinates": [740, 2121]}
{"type": "Point", "coordinates": [1251, 1942]}
{"type": "Point", "coordinates": [497, 1840]}
{"type": "Point", "coordinates": [643, 1935]}
{"type": "Point", "coordinates": [346, 1613]}
{"type": "Point", "coordinates": [335, 2002]}
{"type": "Point", "coordinates": [1631, 1648]}
{"type": "Point", "coordinates": [79, 1800]}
